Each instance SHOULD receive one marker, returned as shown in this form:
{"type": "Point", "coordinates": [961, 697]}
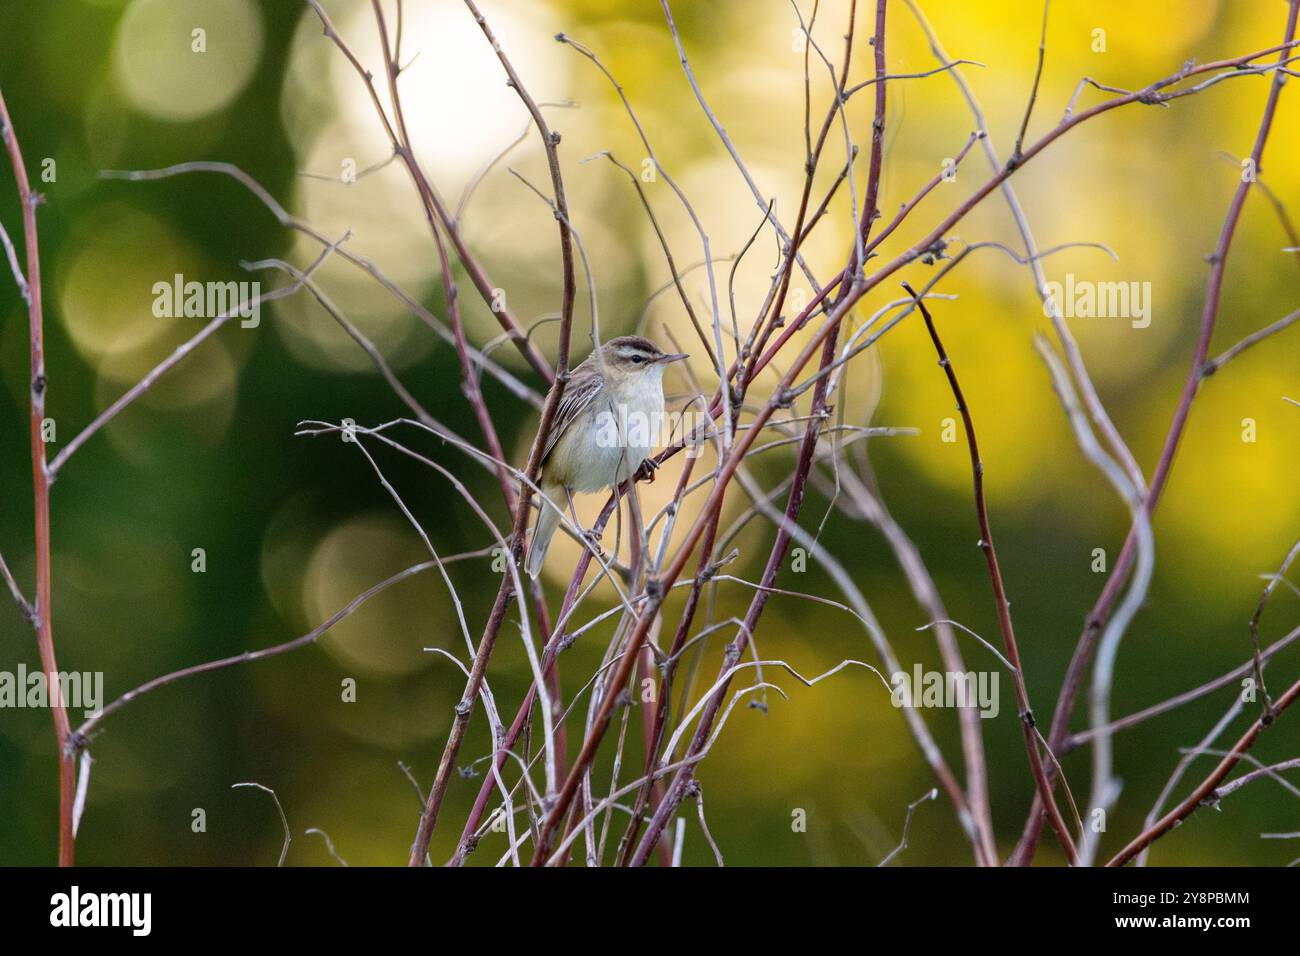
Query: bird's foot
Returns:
{"type": "Point", "coordinates": [646, 470]}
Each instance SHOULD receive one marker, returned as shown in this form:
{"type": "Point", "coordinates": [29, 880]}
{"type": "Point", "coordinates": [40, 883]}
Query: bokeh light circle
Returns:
{"type": "Point", "coordinates": [161, 71]}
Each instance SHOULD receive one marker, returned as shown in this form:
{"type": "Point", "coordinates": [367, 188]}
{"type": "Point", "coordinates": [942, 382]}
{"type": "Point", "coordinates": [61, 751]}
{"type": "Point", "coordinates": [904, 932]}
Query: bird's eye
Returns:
{"type": "Point", "coordinates": [639, 359]}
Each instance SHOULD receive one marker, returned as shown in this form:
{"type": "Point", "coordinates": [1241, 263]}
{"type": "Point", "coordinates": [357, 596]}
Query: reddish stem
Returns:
{"type": "Point", "coordinates": [41, 493]}
{"type": "Point", "coordinates": [1042, 784]}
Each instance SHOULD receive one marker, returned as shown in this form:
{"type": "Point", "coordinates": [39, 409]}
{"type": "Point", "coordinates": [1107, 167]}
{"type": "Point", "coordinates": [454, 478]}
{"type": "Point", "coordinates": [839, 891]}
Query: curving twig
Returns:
{"type": "Point", "coordinates": [329, 844]}
{"type": "Point", "coordinates": [907, 826]}
{"type": "Point", "coordinates": [1254, 628]}
{"type": "Point", "coordinates": [1105, 789]}
{"type": "Point", "coordinates": [284, 821]}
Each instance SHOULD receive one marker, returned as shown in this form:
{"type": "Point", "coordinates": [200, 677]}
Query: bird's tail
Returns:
{"type": "Point", "coordinates": [548, 519]}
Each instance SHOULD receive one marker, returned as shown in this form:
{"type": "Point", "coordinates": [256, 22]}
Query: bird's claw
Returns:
{"type": "Point", "coordinates": [646, 470]}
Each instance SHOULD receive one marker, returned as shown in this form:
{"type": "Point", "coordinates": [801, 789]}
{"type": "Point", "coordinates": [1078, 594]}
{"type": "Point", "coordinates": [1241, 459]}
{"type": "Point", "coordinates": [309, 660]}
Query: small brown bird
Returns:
{"type": "Point", "coordinates": [605, 427]}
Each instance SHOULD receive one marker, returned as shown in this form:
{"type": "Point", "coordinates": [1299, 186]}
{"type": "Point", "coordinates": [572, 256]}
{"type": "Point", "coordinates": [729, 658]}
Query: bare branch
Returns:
{"type": "Point", "coordinates": [12, 256]}
{"type": "Point", "coordinates": [907, 826]}
{"type": "Point", "coordinates": [999, 588]}
{"type": "Point", "coordinates": [1033, 92]}
{"type": "Point", "coordinates": [1216, 363]}
{"type": "Point", "coordinates": [24, 605]}
{"type": "Point", "coordinates": [329, 844]}
{"type": "Point", "coordinates": [1197, 798]}
{"type": "Point", "coordinates": [288, 836]}
{"type": "Point", "coordinates": [179, 354]}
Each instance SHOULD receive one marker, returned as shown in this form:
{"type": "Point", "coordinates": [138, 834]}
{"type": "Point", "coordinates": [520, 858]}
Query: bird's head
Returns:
{"type": "Point", "coordinates": [632, 355]}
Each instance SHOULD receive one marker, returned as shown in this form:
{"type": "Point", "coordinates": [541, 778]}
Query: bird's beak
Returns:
{"type": "Point", "coordinates": [674, 357]}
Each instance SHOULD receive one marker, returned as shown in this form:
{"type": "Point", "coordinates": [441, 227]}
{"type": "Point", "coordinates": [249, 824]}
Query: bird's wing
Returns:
{"type": "Point", "coordinates": [578, 395]}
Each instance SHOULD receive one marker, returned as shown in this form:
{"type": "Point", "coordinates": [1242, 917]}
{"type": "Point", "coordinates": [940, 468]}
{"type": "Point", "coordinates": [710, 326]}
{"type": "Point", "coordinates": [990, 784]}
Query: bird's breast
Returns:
{"type": "Point", "coordinates": [608, 443]}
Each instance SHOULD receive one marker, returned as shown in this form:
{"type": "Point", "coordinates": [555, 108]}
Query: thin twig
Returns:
{"type": "Point", "coordinates": [329, 844]}
{"type": "Point", "coordinates": [1198, 796]}
{"type": "Point", "coordinates": [1231, 678]}
{"type": "Point", "coordinates": [84, 731]}
{"type": "Point", "coordinates": [12, 255]}
{"type": "Point", "coordinates": [907, 826]}
{"type": "Point", "coordinates": [24, 605]}
{"type": "Point", "coordinates": [1266, 701]}
{"type": "Point", "coordinates": [487, 643]}
{"type": "Point", "coordinates": [259, 192]}
{"type": "Point", "coordinates": [1033, 92]}
{"type": "Point", "coordinates": [1105, 788]}
{"type": "Point", "coordinates": [1216, 363]}
{"type": "Point", "coordinates": [1027, 721]}
{"type": "Point", "coordinates": [181, 352]}
{"type": "Point", "coordinates": [434, 207]}
{"type": "Point", "coordinates": [284, 821]}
